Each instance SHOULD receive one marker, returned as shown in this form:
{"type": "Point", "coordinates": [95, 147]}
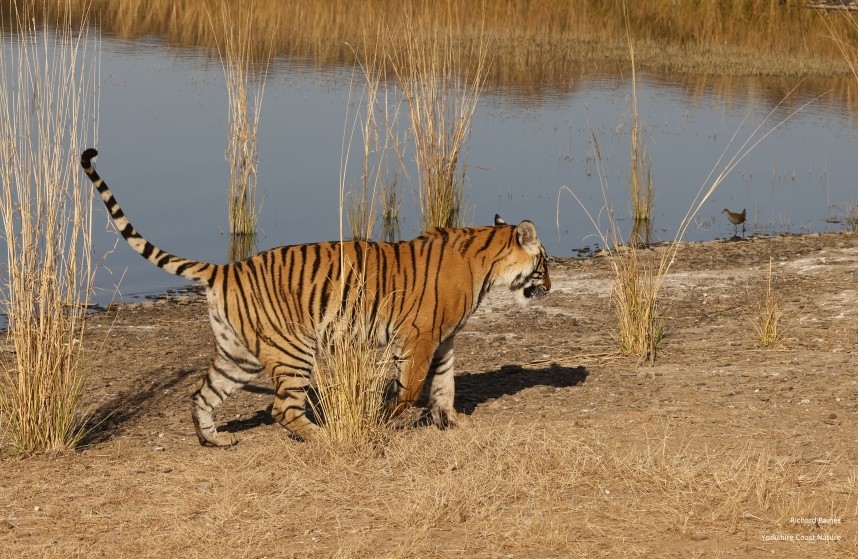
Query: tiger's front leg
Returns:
{"type": "Point", "coordinates": [442, 387]}
{"type": "Point", "coordinates": [412, 374]}
{"type": "Point", "coordinates": [437, 363]}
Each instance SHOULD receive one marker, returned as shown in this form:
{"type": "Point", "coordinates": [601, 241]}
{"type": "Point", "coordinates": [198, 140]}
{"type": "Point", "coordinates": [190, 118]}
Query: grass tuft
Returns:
{"type": "Point", "coordinates": [768, 315]}
{"type": "Point", "coordinates": [49, 105]}
{"type": "Point", "coordinates": [352, 375]}
{"type": "Point", "coordinates": [634, 294]}
{"type": "Point", "coordinates": [442, 92]}
{"type": "Point", "coordinates": [851, 217]}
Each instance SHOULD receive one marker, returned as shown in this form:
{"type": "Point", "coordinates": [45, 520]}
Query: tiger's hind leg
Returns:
{"type": "Point", "coordinates": [442, 387]}
{"type": "Point", "coordinates": [290, 403]}
{"type": "Point", "coordinates": [225, 375]}
{"type": "Point", "coordinates": [290, 372]}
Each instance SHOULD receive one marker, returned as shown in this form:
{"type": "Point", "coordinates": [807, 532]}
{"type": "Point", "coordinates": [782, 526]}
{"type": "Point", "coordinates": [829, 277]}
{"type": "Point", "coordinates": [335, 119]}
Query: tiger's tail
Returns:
{"type": "Point", "coordinates": [190, 269]}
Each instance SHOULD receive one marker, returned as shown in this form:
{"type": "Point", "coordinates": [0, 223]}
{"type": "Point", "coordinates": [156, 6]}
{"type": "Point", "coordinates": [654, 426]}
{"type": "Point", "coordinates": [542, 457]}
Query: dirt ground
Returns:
{"type": "Point", "coordinates": [720, 449]}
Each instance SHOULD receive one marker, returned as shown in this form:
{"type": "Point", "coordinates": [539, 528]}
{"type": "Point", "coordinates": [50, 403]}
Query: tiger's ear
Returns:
{"type": "Point", "coordinates": [526, 235]}
{"type": "Point", "coordinates": [499, 220]}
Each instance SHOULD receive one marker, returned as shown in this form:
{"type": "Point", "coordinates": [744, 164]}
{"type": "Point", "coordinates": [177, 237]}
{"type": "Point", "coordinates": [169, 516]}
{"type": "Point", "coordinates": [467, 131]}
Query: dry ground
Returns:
{"type": "Point", "coordinates": [719, 450]}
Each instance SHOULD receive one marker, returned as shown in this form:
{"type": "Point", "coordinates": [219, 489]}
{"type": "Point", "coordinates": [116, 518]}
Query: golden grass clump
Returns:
{"type": "Point", "coordinates": [637, 273]}
{"type": "Point", "coordinates": [638, 278]}
{"type": "Point", "coordinates": [634, 294]}
{"type": "Point", "coordinates": [352, 375]}
{"type": "Point", "coordinates": [768, 315]}
{"type": "Point", "coordinates": [49, 104]}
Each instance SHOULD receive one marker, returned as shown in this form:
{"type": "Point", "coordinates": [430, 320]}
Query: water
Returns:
{"type": "Point", "coordinates": [163, 133]}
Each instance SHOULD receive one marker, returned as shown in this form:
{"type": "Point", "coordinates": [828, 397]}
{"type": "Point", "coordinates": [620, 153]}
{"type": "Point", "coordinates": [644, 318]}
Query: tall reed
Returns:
{"type": "Point", "coordinates": [378, 119]}
{"type": "Point", "coordinates": [636, 280]}
{"type": "Point", "coordinates": [351, 372]}
{"type": "Point", "coordinates": [847, 44]}
{"type": "Point", "coordinates": [49, 105]}
{"type": "Point", "coordinates": [641, 190]}
{"type": "Point", "coordinates": [442, 92]}
{"type": "Point", "coordinates": [239, 47]}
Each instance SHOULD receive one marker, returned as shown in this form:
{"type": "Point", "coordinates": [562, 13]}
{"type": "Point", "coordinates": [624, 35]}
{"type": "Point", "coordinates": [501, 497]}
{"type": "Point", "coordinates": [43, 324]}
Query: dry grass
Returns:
{"type": "Point", "coordinates": [442, 92]}
{"type": "Point", "coordinates": [546, 42]}
{"type": "Point", "coordinates": [851, 217]}
{"type": "Point", "coordinates": [239, 46]}
{"type": "Point", "coordinates": [49, 103]}
{"type": "Point", "coordinates": [634, 294]}
{"type": "Point", "coordinates": [767, 318]}
{"type": "Point", "coordinates": [352, 374]}
{"type": "Point", "coordinates": [512, 491]}
{"type": "Point", "coordinates": [377, 117]}
{"type": "Point", "coordinates": [638, 279]}
{"type": "Point", "coordinates": [845, 41]}
{"type": "Point", "coordinates": [637, 275]}
{"type": "Point", "coordinates": [641, 189]}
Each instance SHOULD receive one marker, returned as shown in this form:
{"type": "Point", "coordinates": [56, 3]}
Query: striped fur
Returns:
{"type": "Point", "coordinates": [268, 312]}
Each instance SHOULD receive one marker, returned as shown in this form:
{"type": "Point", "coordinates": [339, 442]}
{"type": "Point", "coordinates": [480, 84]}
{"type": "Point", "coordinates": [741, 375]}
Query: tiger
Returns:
{"type": "Point", "coordinates": [269, 312]}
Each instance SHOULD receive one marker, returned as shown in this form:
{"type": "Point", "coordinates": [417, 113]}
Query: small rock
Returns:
{"type": "Point", "coordinates": [699, 536]}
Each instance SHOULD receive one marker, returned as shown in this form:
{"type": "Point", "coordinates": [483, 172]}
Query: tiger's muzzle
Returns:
{"type": "Point", "coordinates": [536, 291]}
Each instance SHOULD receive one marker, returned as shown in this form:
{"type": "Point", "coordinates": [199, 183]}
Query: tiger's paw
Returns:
{"type": "Point", "coordinates": [220, 440]}
{"type": "Point", "coordinates": [445, 418]}
{"type": "Point", "coordinates": [207, 433]}
{"type": "Point", "coordinates": [306, 433]}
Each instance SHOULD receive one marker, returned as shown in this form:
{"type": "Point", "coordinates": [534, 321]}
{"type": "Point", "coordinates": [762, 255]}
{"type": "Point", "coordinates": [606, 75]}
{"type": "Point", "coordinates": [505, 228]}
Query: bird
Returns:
{"type": "Point", "coordinates": [736, 219]}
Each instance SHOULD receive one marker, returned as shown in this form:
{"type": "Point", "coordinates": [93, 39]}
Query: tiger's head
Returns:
{"type": "Point", "coordinates": [526, 271]}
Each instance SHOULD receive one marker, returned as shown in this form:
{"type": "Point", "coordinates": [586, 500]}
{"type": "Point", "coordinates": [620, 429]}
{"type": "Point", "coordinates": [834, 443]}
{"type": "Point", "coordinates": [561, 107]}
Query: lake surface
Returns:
{"type": "Point", "coordinates": [162, 136]}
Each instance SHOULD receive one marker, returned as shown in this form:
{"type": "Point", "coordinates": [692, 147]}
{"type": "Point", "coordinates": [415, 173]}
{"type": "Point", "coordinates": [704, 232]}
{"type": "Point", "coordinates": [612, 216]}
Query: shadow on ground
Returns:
{"type": "Point", "coordinates": [110, 418]}
{"type": "Point", "coordinates": [473, 389]}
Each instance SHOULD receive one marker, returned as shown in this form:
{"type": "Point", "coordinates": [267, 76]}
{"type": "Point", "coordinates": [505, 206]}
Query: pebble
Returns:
{"type": "Point", "coordinates": [699, 536]}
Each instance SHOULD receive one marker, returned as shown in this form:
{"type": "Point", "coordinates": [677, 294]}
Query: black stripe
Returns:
{"type": "Point", "coordinates": [127, 231]}
{"type": "Point", "coordinates": [148, 249]}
